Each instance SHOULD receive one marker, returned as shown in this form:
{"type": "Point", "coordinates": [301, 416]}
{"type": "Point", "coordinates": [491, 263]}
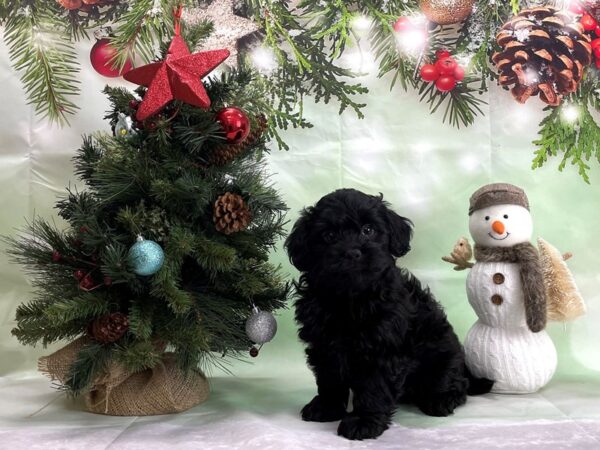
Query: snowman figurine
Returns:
{"type": "Point", "coordinates": [509, 288]}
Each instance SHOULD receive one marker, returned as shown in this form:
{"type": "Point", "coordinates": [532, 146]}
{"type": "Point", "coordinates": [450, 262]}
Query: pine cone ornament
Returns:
{"type": "Point", "coordinates": [226, 153]}
{"type": "Point", "coordinates": [231, 214]}
{"type": "Point", "coordinates": [544, 52]}
{"type": "Point", "coordinates": [109, 328]}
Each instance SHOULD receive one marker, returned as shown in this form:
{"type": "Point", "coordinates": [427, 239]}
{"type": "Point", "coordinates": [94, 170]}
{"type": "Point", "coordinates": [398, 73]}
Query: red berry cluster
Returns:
{"type": "Point", "coordinates": [445, 72]}
{"type": "Point", "coordinates": [591, 26]}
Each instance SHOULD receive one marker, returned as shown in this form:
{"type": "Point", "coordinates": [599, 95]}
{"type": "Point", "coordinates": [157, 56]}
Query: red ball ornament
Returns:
{"type": "Point", "coordinates": [56, 256]}
{"type": "Point", "coordinates": [588, 22]}
{"type": "Point", "coordinates": [402, 24]}
{"type": "Point", "coordinates": [101, 57]}
{"type": "Point", "coordinates": [429, 73]}
{"type": "Point", "coordinates": [597, 52]}
{"type": "Point", "coordinates": [595, 43]}
{"type": "Point", "coordinates": [441, 54]}
{"type": "Point", "coordinates": [459, 73]}
{"type": "Point", "coordinates": [446, 66]}
{"type": "Point", "coordinates": [445, 83]}
{"type": "Point", "coordinates": [235, 123]}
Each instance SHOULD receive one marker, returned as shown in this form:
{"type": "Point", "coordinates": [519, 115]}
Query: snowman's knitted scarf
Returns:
{"type": "Point", "coordinates": [526, 255]}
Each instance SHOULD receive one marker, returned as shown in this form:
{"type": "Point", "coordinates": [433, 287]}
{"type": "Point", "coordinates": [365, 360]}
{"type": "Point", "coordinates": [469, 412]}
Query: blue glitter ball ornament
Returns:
{"type": "Point", "coordinates": [146, 257]}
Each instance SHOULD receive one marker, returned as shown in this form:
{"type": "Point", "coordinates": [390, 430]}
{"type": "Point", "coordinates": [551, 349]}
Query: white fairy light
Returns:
{"type": "Point", "coordinates": [361, 23]}
{"type": "Point", "coordinates": [570, 113]}
{"type": "Point", "coordinates": [360, 62]}
{"type": "Point", "coordinates": [412, 42]}
{"type": "Point", "coordinates": [264, 60]}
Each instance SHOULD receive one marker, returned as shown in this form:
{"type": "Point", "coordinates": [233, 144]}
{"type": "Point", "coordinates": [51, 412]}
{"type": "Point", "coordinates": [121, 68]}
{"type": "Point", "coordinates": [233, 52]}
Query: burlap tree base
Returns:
{"type": "Point", "coordinates": [161, 390]}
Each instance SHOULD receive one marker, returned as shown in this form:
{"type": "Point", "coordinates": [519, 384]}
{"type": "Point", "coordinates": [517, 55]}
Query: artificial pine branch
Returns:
{"type": "Point", "coordinates": [45, 57]}
{"type": "Point", "coordinates": [577, 138]}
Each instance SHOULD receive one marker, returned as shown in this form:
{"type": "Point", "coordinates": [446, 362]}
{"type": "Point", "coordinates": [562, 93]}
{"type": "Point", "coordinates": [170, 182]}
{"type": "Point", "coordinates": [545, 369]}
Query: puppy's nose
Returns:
{"type": "Point", "coordinates": [353, 254]}
{"type": "Point", "coordinates": [498, 227]}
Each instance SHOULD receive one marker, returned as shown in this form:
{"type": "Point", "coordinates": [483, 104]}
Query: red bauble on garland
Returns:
{"type": "Point", "coordinates": [235, 123]}
{"type": "Point", "coordinates": [402, 24]}
{"type": "Point", "coordinates": [588, 22]}
{"type": "Point", "coordinates": [101, 57]}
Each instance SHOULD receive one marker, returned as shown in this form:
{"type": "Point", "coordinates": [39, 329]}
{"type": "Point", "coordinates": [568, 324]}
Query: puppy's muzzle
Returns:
{"type": "Point", "coordinates": [354, 254]}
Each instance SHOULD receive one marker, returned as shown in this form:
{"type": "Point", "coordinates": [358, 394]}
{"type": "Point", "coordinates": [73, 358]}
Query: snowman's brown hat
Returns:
{"type": "Point", "coordinates": [498, 194]}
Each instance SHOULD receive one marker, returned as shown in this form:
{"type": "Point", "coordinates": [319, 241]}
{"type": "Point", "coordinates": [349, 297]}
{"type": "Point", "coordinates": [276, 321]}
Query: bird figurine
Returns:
{"type": "Point", "coordinates": [461, 255]}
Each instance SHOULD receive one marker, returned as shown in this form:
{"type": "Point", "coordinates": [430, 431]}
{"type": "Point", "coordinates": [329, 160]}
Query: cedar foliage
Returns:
{"type": "Point", "coordinates": [158, 183]}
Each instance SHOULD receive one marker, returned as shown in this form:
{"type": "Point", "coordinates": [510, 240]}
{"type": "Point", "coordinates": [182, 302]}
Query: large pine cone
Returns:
{"type": "Point", "coordinates": [109, 328]}
{"type": "Point", "coordinates": [231, 213]}
{"type": "Point", "coordinates": [226, 153]}
{"type": "Point", "coordinates": [544, 51]}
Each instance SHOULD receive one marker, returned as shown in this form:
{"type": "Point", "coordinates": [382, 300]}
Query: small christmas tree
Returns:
{"type": "Point", "coordinates": [167, 249]}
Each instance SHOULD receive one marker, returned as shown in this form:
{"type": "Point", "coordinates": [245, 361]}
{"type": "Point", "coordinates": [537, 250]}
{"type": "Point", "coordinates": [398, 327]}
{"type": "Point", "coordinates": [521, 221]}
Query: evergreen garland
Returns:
{"type": "Point", "coordinates": [307, 37]}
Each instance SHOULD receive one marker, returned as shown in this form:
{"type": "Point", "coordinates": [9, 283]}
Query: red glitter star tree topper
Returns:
{"type": "Point", "coordinates": [178, 77]}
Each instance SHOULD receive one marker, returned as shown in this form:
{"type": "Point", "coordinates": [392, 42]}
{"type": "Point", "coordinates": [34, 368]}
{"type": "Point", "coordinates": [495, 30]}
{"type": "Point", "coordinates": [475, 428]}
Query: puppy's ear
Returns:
{"type": "Point", "coordinates": [400, 229]}
{"type": "Point", "coordinates": [297, 242]}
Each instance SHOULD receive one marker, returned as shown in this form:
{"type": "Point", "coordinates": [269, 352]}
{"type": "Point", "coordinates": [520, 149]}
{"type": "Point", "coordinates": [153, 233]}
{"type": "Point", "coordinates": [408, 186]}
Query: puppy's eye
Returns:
{"type": "Point", "coordinates": [367, 230]}
{"type": "Point", "coordinates": [506, 216]}
{"type": "Point", "coordinates": [329, 237]}
{"type": "Point", "coordinates": [487, 217]}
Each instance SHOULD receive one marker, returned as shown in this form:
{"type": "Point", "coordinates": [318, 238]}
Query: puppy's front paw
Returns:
{"type": "Point", "coordinates": [442, 405]}
{"type": "Point", "coordinates": [319, 410]}
{"type": "Point", "coordinates": [362, 427]}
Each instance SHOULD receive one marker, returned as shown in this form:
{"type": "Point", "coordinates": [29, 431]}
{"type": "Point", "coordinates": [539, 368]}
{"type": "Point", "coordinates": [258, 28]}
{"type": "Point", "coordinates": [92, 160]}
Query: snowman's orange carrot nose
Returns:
{"type": "Point", "coordinates": [498, 227]}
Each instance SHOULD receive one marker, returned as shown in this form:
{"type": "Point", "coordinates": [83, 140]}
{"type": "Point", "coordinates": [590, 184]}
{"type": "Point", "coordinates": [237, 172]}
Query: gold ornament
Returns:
{"type": "Point", "coordinates": [228, 28]}
{"type": "Point", "coordinates": [446, 12]}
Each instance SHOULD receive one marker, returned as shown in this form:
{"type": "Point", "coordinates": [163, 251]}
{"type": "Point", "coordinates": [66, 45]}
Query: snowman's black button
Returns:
{"type": "Point", "coordinates": [498, 278]}
{"type": "Point", "coordinates": [497, 299]}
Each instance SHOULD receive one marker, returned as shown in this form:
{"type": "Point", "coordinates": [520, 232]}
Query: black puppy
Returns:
{"type": "Point", "coordinates": [370, 326]}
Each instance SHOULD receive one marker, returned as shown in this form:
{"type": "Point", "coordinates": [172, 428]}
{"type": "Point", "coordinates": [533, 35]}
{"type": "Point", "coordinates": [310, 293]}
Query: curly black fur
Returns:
{"type": "Point", "coordinates": [369, 326]}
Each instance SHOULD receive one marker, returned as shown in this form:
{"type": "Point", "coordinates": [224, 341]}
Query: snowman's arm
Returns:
{"type": "Point", "coordinates": [458, 264]}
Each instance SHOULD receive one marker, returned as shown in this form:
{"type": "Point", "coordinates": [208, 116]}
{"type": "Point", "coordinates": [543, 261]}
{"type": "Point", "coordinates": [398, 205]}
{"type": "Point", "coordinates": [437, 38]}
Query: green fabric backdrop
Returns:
{"type": "Point", "coordinates": [425, 169]}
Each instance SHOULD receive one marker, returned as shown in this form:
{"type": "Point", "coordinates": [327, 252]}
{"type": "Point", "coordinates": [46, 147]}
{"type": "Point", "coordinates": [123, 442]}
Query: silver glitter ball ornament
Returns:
{"type": "Point", "coordinates": [261, 326]}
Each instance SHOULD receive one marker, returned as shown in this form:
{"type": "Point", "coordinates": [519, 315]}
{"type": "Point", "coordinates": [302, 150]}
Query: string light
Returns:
{"type": "Point", "coordinates": [264, 60]}
{"type": "Point", "coordinates": [361, 23]}
{"type": "Point", "coordinates": [570, 113]}
{"type": "Point", "coordinates": [413, 40]}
